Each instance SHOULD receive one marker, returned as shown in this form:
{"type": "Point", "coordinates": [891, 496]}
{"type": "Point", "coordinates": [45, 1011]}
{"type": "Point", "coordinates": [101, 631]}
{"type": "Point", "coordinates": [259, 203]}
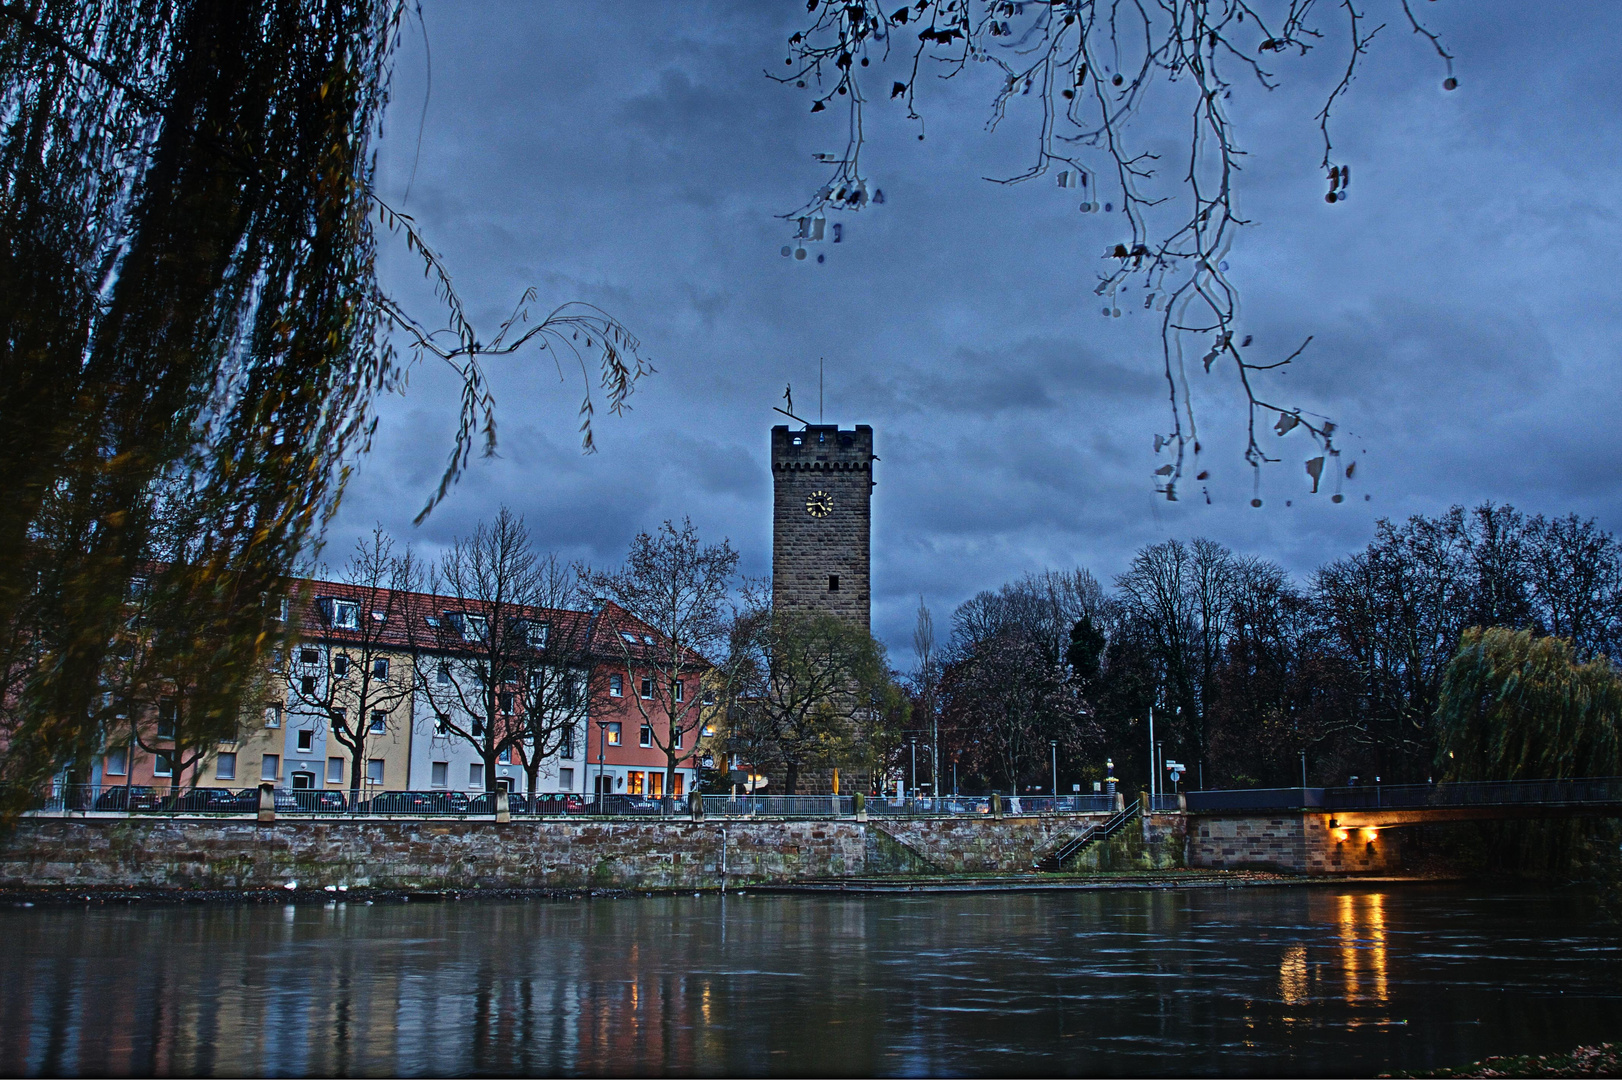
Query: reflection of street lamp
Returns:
{"type": "Point", "coordinates": [602, 749]}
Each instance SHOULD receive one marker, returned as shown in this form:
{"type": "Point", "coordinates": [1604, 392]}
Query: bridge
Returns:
{"type": "Point", "coordinates": [1342, 829]}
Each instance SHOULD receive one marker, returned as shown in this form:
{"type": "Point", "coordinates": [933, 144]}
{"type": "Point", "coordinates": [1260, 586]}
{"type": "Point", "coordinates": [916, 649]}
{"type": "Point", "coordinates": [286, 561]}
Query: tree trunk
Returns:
{"type": "Point", "coordinates": [357, 757]}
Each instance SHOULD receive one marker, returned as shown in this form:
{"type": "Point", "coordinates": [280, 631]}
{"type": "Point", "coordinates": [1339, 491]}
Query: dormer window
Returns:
{"type": "Point", "coordinates": [341, 614]}
{"type": "Point", "coordinates": [536, 633]}
{"type": "Point", "coordinates": [475, 627]}
{"type": "Point", "coordinates": [630, 637]}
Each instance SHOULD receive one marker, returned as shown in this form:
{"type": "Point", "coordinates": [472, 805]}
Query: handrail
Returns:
{"type": "Point", "coordinates": [1056, 858]}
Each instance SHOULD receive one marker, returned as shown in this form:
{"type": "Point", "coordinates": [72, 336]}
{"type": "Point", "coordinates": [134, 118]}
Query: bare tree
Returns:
{"type": "Point", "coordinates": [1181, 595]}
{"type": "Point", "coordinates": [346, 668]}
{"type": "Point", "coordinates": [1087, 69]}
{"type": "Point", "coordinates": [470, 664]}
{"type": "Point", "coordinates": [554, 668]}
{"type": "Point", "coordinates": [678, 587]}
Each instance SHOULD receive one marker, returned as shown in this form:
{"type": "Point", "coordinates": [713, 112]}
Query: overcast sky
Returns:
{"type": "Point", "coordinates": [1464, 302]}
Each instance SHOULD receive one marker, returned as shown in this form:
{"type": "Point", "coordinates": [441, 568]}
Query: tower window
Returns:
{"type": "Point", "coordinates": [833, 582]}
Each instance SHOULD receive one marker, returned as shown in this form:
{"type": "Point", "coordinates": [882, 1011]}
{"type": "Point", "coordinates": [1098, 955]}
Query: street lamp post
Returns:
{"type": "Point", "coordinates": [1055, 744]}
{"type": "Point", "coordinates": [912, 746]}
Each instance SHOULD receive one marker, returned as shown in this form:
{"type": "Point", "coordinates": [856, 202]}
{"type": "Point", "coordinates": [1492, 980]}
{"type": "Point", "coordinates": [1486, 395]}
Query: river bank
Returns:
{"type": "Point", "coordinates": [900, 885]}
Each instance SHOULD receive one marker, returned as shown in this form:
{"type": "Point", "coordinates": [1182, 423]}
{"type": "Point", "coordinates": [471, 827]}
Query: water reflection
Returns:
{"type": "Point", "coordinates": [1278, 980]}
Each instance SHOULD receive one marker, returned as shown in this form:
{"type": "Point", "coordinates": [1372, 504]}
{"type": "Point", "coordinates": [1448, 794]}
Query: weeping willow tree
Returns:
{"type": "Point", "coordinates": [1515, 706]}
{"type": "Point", "coordinates": [193, 336]}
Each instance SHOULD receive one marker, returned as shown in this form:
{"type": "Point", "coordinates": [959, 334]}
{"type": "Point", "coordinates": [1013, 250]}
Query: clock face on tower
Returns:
{"type": "Point", "coordinates": [820, 504]}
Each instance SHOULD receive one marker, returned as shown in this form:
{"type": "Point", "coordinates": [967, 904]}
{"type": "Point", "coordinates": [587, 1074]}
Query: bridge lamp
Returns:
{"type": "Point", "coordinates": [1370, 835]}
{"type": "Point", "coordinates": [1342, 835]}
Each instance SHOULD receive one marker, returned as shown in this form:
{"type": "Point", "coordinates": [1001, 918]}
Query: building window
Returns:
{"type": "Point", "coordinates": [374, 771]}
{"type": "Point", "coordinates": [478, 727]}
{"type": "Point", "coordinates": [306, 686]}
{"type": "Point", "coordinates": [656, 784]}
{"type": "Point", "coordinates": [225, 767]}
{"type": "Point", "coordinates": [833, 582]}
{"type": "Point", "coordinates": [616, 686]}
{"type": "Point", "coordinates": [335, 770]}
{"type": "Point", "coordinates": [504, 701]}
{"type": "Point", "coordinates": [678, 691]}
{"type": "Point", "coordinates": [309, 656]}
{"type": "Point", "coordinates": [345, 614]}
{"type": "Point", "coordinates": [443, 675]}
{"type": "Point", "coordinates": [118, 761]}
{"type": "Point", "coordinates": [303, 781]}
{"type": "Point", "coordinates": [340, 720]}
{"type": "Point", "coordinates": [380, 667]}
{"type": "Point", "coordinates": [505, 757]}
{"type": "Point", "coordinates": [281, 610]}
{"type": "Point", "coordinates": [565, 779]}
{"type": "Point", "coordinates": [646, 736]}
{"type": "Point", "coordinates": [536, 633]}
{"type": "Point", "coordinates": [380, 722]}
{"type": "Point", "coordinates": [273, 716]}
{"type": "Point", "coordinates": [168, 716]}
{"type": "Point", "coordinates": [162, 765]}
{"type": "Point", "coordinates": [306, 741]}
{"type": "Point", "coordinates": [675, 736]}
{"type": "Point", "coordinates": [709, 697]}
{"type": "Point", "coordinates": [647, 686]}
{"type": "Point", "coordinates": [566, 741]}
{"type": "Point", "coordinates": [439, 723]}
{"type": "Point", "coordinates": [340, 665]}
{"type": "Point", "coordinates": [437, 773]}
{"type": "Point", "coordinates": [475, 777]}
{"type": "Point", "coordinates": [633, 785]}
{"type": "Point", "coordinates": [271, 767]}
{"type": "Point", "coordinates": [676, 785]}
{"type": "Point", "coordinates": [475, 627]}
{"type": "Point", "coordinates": [614, 733]}
{"type": "Point", "coordinates": [709, 731]}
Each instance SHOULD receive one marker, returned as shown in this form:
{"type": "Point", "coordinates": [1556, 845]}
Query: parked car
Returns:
{"type": "Point", "coordinates": [214, 801]}
{"type": "Point", "coordinates": [416, 802]}
{"type": "Point", "coordinates": [137, 797]}
{"type": "Point", "coordinates": [311, 801]}
{"type": "Point", "coordinates": [548, 803]}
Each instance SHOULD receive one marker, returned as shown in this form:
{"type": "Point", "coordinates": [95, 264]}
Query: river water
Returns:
{"type": "Point", "coordinates": [1320, 980]}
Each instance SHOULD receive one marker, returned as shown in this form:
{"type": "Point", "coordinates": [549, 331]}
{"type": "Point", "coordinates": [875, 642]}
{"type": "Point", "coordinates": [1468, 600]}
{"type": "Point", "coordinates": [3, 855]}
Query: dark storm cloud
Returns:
{"type": "Point", "coordinates": [1465, 305]}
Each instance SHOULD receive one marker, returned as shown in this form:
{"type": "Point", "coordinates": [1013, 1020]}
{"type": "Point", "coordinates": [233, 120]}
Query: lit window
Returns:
{"type": "Point", "coordinates": [646, 738]}
{"type": "Point", "coordinates": [616, 686]}
{"type": "Point", "coordinates": [614, 733]}
{"type": "Point", "coordinates": [440, 768]}
{"type": "Point", "coordinates": [633, 785]}
{"type": "Point", "coordinates": [676, 785]}
{"type": "Point", "coordinates": [335, 770]}
{"type": "Point", "coordinates": [306, 741]}
{"type": "Point", "coordinates": [374, 771]}
{"type": "Point", "coordinates": [709, 731]}
{"type": "Point", "coordinates": [475, 777]}
{"type": "Point", "coordinates": [380, 722]}
{"type": "Point", "coordinates": [225, 767]}
{"type": "Point", "coordinates": [270, 767]}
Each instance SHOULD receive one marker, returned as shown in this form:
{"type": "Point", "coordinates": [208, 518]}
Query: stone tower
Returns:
{"type": "Point", "coordinates": [822, 481]}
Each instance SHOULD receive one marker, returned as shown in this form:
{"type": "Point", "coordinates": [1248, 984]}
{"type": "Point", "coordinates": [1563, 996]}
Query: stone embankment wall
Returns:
{"type": "Point", "coordinates": [1155, 842]}
{"type": "Point", "coordinates": [1295, 843]}
{"type": "Point", "coordinates": [446, 854]}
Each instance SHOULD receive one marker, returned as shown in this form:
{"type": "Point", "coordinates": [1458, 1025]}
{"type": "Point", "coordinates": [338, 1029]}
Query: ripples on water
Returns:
{"type": "Point", "coordinates": [1287, 980]}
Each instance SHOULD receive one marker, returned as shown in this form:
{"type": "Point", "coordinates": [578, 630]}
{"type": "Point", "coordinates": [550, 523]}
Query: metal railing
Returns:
{"type": "Point", "coordinates": [144, 800]}
{"type": "Point", "coordinates": [1054, 860]}
{"type": "Point", "coordinates": [1594, 792]}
